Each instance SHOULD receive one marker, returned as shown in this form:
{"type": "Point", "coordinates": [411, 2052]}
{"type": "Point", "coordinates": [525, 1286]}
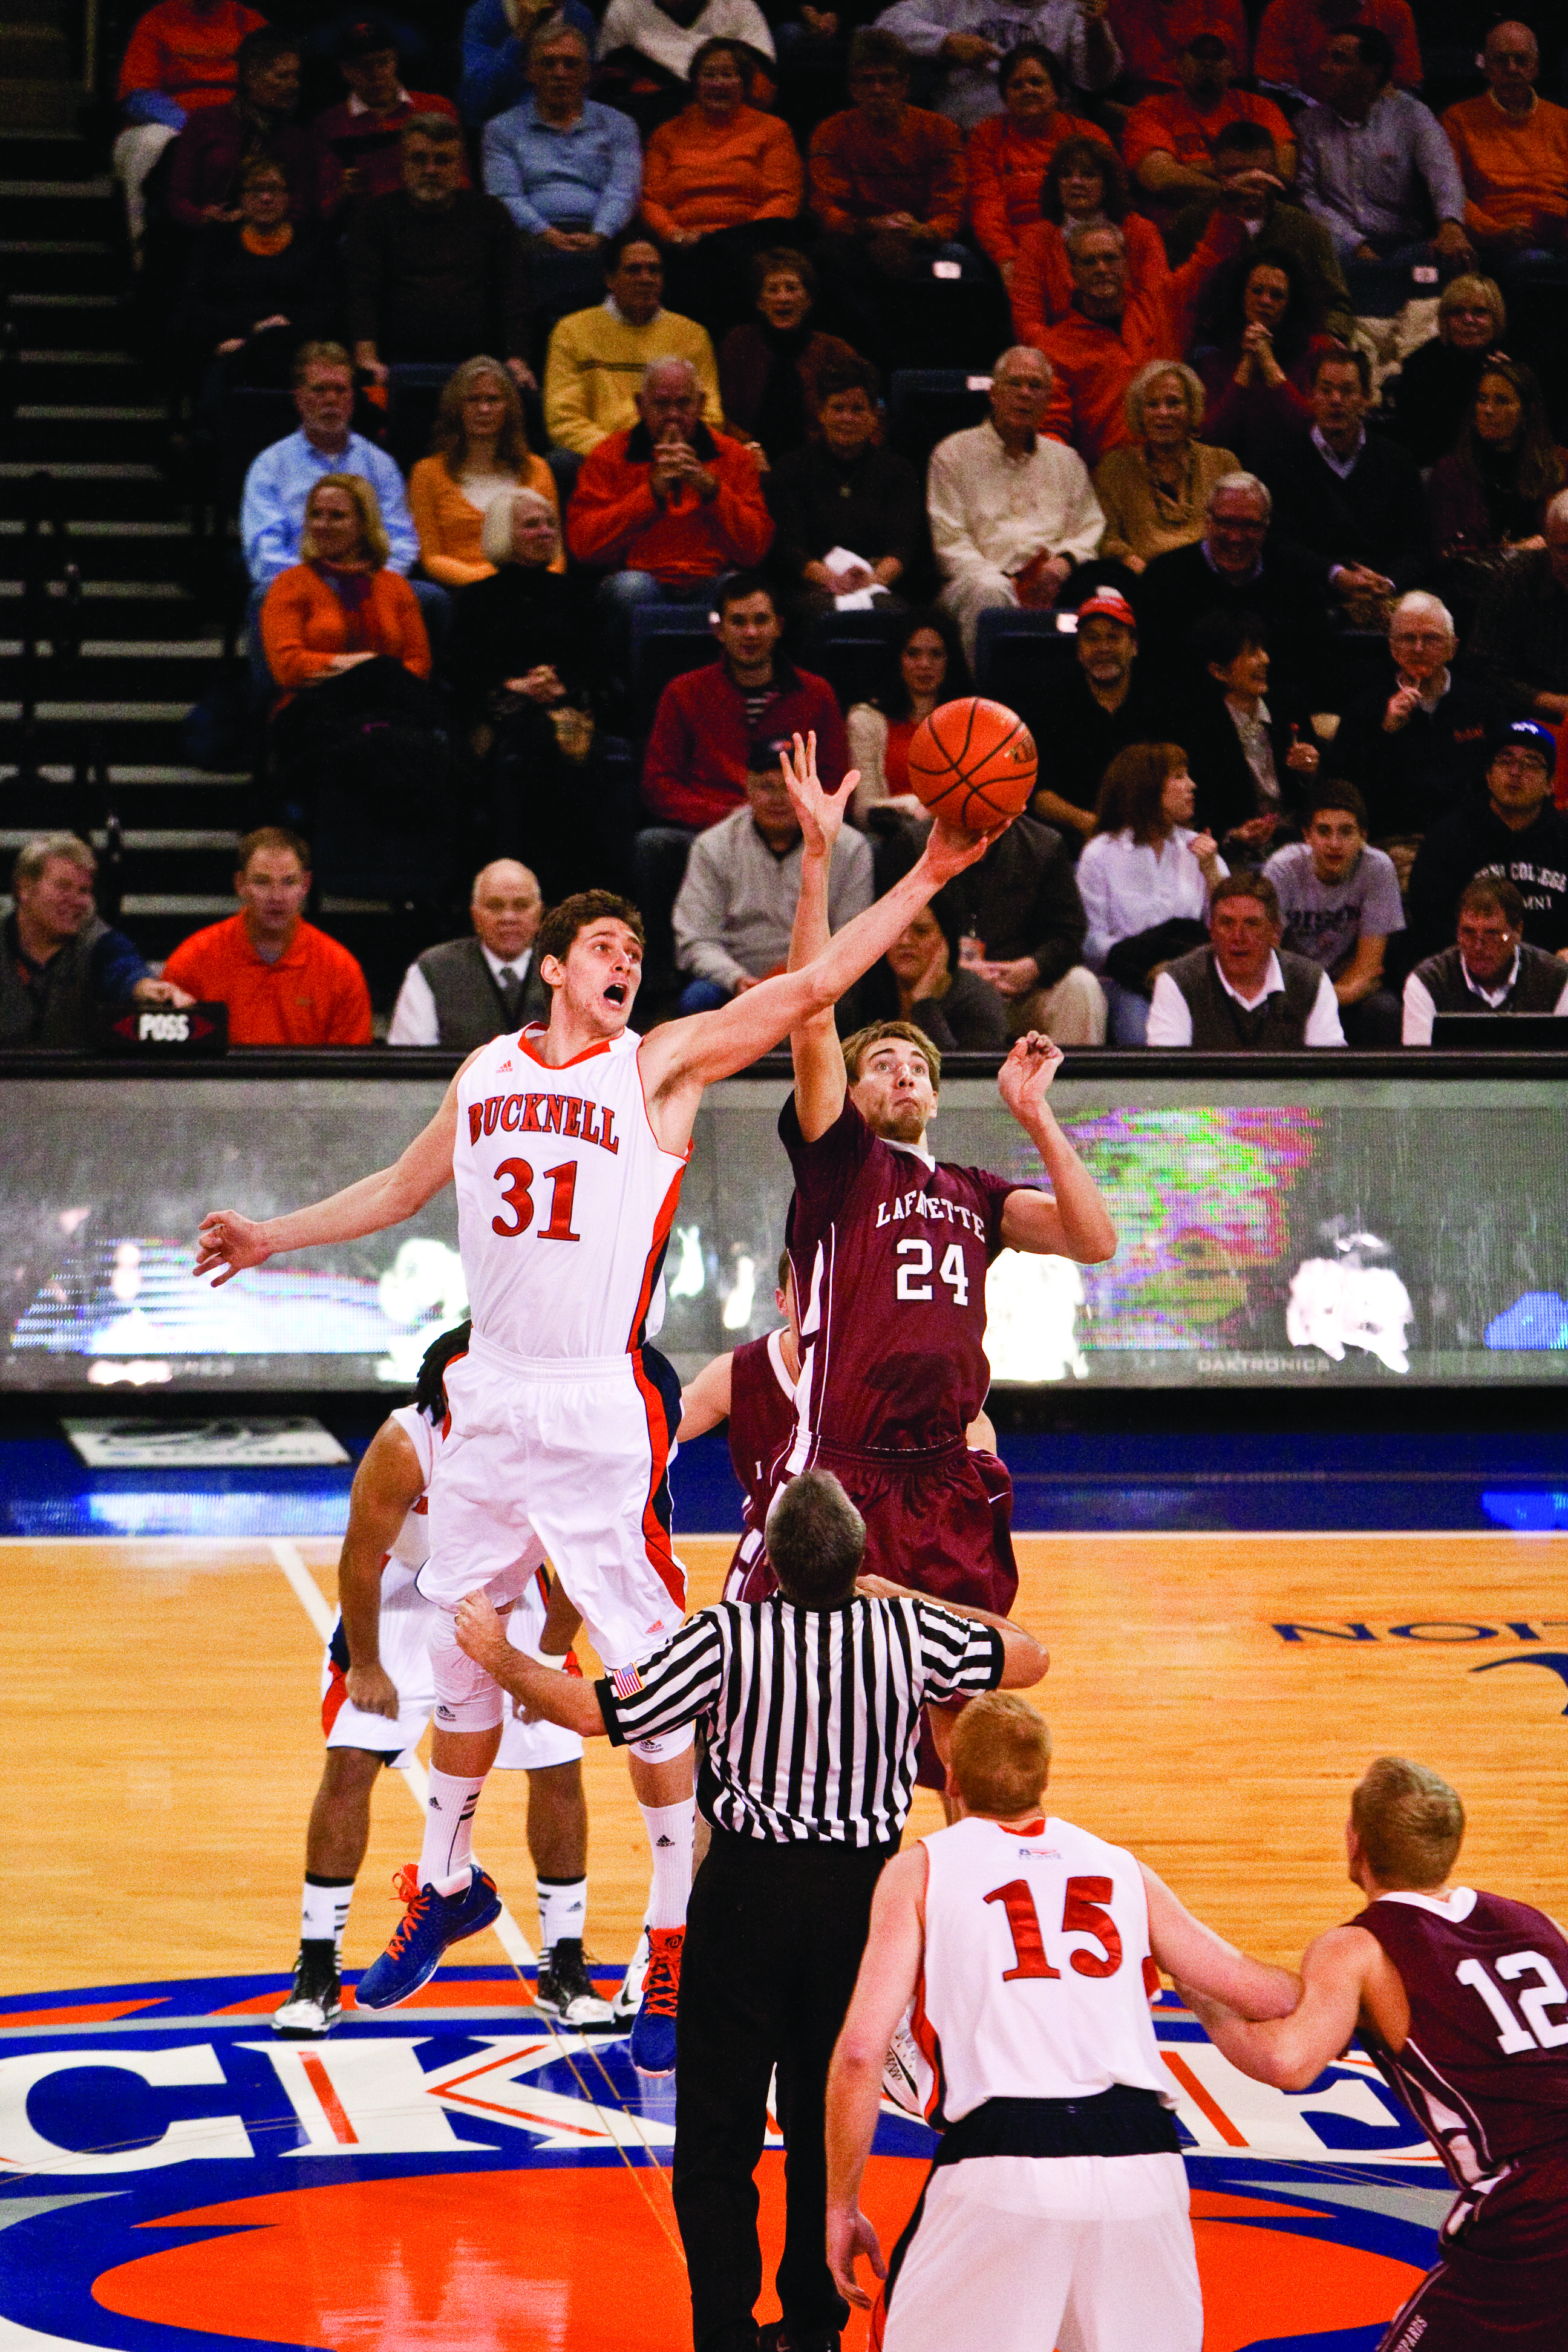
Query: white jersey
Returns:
{"type": "Point", "coordinates": [564, 1200]}
{"type": "Point", "coordinates": [1035, 1984]}
{"type": "Point", "coordinates": [411, 1544]}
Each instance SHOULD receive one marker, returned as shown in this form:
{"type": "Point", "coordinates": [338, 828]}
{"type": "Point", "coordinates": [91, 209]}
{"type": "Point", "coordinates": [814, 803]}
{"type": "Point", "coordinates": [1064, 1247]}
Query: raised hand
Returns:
{"type": "Point", "coordinates": [820, 811]}
{"type": "Point", "coordinates": [228, 1243]}
{"type": "Point", "coordinates": [950, 848]}
{"type": "Point", "coordinates": [1025, 1075]}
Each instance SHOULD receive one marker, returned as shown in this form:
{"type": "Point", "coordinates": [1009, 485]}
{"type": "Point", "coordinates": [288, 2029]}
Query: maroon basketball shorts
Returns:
{"type": "Point", "coordinates": [1502, 2283]}
{"type": "Point", "coordinates": [940, 1523]}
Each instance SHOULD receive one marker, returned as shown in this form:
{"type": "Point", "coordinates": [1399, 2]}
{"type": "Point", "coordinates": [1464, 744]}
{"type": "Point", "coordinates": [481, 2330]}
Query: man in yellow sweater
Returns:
{"type": "Point", "coordinates": [1512, 149]}
{"type": "Point", "coordinates": [596, 358]}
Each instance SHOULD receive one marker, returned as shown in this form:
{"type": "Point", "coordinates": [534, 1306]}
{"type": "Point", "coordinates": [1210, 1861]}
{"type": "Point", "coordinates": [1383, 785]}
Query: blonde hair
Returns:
{"type": "Point", "coordinates": [1001, 1756]}
{"type": "Point", "coordinates": [1469, 287]}
{"type": "Point", "coordinates": [449, 437]}
{"type": "Point", "coordinates": [496, 531]}
{"type": "Point", "coordinates": [1410, 1822]}
{"type": "Point", "coordinates": [858, 1045]}
{"type": "Point", "coordinates": [1145, 380]}
{"type": "Point", "coordinates": [366, 505]}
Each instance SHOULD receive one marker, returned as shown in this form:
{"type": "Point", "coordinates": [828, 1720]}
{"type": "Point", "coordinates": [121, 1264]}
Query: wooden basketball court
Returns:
{"type": "Point", "coordinates": [1212, 1698]}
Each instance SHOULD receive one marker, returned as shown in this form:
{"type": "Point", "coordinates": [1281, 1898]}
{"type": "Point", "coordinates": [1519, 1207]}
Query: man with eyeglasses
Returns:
{"type": "Point", "coordinates": [1490, 967]}
{"type": "Point", "coordinates": [1512, 149]}
{"type": "Point", "coordinates": [1238, 567]}
{"type": "Point", "coordinates": [1416, 744]}
{"type": "Point", "coordinates": [1515, 835]}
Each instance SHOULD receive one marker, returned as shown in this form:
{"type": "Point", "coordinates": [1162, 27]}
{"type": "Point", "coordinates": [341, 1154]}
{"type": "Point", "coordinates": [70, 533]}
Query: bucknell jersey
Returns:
{"type": "Point", "coordinates": [889, 1249]}
{"type": "Point", "coordinates": [564, 1199]}
{"type": "Point", "coordinates": [1485, 2068]}
{"type": "Point", "coordinates": [1034, 1983]}
{"type": "Point", "coordinates": [762, 1424]}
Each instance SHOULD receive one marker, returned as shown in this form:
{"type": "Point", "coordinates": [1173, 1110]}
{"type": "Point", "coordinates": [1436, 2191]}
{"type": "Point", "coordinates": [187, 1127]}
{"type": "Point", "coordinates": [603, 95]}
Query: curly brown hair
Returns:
{"type": "Point", "coordinates": [563, 923]}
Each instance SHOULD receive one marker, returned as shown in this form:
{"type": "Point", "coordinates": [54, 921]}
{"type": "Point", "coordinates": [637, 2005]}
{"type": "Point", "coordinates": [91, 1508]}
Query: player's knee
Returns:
{"type": "Point", "coordinates": [349, 1771]}
{"type": "Point", "coordinates": [663, 1747]}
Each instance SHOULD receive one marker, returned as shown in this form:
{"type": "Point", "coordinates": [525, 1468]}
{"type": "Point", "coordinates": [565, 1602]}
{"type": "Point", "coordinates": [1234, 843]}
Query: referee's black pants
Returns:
{"type": "Point", "coordinates": [773, 1940]}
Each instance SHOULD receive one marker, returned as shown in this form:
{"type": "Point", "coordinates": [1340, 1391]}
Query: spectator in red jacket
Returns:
{"type": "Point", "coordinates": [364, 132]}
{"type": "Point", "coordinates": [217, 143]}
{"type": "Point", "coordinates": [1109, 333]}
{"type": "Point", "coordinates": [694, 773]}
{"type": "Point", "coordinates": [1008, 154]}
{"type": "Point", "coordinates": [667, 506]}
{"type": "Point", "coordinates": [1084, 186]}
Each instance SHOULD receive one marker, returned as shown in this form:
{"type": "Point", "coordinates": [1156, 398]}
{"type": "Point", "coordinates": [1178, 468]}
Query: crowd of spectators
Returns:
{"type": "Point", "coordinates": [651, 278]}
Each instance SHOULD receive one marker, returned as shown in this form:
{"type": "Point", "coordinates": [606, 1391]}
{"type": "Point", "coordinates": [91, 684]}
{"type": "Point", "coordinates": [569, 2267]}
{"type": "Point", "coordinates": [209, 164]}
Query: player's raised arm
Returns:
{"type": "Point", "coordinates": [890, 1966]}
{"type": "Point", "coordinates": [1073, 1221]}
{"type": "Point", "coordinates": [821, 1080]}
{"type": "Point", "coordinates": [678, 1060]}
{"type": "Point", "coordinates": [229, 1243]}
{"type": "Point", "coordinates": [705, 1402]}
{"type": "Point", "coordinates": [1292, 2051]}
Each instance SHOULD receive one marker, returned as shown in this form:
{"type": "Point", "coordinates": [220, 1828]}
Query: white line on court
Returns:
{"type": "Point", "coordinates": [324, 1617]}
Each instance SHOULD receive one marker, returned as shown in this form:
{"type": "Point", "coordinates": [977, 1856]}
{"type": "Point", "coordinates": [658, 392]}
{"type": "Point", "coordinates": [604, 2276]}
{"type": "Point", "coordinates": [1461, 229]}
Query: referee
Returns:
{"type": "Point", "coordinates": [810, 1703]}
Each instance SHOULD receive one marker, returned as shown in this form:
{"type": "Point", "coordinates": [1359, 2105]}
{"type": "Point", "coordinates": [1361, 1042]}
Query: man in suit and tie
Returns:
{"type": "Point", "coordinates": [464, 991]}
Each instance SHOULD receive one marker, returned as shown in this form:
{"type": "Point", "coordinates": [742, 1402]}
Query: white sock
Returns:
{"type": "Point", "coordinates": [669, 1833]}
{"type": "Point", "coordinates": [324, 1912]}
{"type": "Point", "coordinates": [563, 1907]}
{"type": "Point", "coordinates": [448, 1850]}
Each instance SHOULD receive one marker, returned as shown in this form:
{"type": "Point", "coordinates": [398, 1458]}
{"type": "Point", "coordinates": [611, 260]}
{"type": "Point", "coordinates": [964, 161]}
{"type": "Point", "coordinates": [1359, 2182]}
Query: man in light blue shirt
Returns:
{"type": "Point", "coordinates": [272, 510]}
{"type": "Point", "coordinates": [1377, 171]}
{"type": "Point", "coordinates": [568, 170]}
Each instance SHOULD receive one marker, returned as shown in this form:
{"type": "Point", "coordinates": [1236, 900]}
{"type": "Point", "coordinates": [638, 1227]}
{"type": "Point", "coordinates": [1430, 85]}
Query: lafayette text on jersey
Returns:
{"type": "Point", "coordinates": [890, 1250]}
{"type": "Point", "coordinates": [1036, 1980]}
{"type": "Point", "coordinates": [813, 1715]}
{"type": "Point", "coordinates": [564, 1199]}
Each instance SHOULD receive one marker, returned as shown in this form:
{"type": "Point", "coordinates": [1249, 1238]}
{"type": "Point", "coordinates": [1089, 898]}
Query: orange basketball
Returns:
{"type": "Point", "coordinates": [972, 763]}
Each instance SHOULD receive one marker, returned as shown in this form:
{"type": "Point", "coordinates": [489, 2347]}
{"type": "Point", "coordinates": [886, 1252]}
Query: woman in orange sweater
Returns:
{"type": "Point", "coordinates": [479, 453]}
{"type": "Point", "coordinates": [717, 181]}
{"type": "Point", "coordinates": [1008, 154]}
{"type": "Point", "coordinates": [340, 605]}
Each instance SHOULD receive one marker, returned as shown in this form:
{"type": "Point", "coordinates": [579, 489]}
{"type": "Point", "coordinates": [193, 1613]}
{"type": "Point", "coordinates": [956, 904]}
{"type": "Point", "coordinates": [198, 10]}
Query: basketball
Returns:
{"type": "Point", "coordinates": [973, 764]}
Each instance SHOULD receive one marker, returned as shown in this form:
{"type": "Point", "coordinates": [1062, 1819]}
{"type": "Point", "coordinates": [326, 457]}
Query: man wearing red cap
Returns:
{"type": "Point", "coordinates": [1095, 711]}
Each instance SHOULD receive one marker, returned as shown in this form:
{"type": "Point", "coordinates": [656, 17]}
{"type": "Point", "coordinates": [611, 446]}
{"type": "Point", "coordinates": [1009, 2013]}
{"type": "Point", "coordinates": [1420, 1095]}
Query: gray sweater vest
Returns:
{"type": "Point", "coordinates": [1540, 982]}
{"type": "Point", "coordinates": [469, 1008]}
{"type": "Point", "coordinates": [54, 1010]}
{"type": "Point", "coordinates": [1222, 1025]}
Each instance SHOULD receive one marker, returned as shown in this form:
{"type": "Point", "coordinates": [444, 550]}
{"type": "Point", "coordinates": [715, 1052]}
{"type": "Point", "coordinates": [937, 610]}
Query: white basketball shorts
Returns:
{"type": "Point", "coordinates": [576, 1453]}
{"type": "Point", "coordinates": [405, 1638]}
{"type": "Point", "coordinates": [1090, 2253]}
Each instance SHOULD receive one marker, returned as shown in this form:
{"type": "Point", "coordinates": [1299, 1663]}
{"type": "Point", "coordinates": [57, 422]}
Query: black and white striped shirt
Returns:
{"type": "Point", "coordinates": [812, 1715]}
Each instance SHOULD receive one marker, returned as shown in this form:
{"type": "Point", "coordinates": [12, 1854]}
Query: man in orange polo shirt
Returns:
{"type": "Point", "coordinates": [1512, 147]}
{"type": "Point", "coordinates": [284, 983]}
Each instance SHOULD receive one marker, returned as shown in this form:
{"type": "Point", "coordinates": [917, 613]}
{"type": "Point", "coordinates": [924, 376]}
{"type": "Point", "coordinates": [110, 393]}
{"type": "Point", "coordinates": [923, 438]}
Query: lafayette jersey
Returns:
{"type": "Point", "coordinates": [564, 1199]}
{"type": "Point", "coordinates": [762, 1424]}
{"type": "Point", "coordinates": [1484, 2069]}
{"type": "Point", "coordinates": [890, 1250]}
{"type": "Point", "coordinates": [1036, 1974]}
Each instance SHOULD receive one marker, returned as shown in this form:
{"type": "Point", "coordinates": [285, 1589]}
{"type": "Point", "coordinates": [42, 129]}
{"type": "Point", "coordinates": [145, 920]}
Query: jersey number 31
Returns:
{"type": "Point", "coordinates": [518, 1177]}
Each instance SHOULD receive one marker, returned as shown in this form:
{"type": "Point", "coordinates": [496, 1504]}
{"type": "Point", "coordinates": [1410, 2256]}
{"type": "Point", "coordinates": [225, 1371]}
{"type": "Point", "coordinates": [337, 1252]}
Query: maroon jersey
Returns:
{"type": "Point", "coordinates": [762, 1422]}
{"type": "Point", "coordinates": [1485, 2068]}
{"type": "Point", "coordinates": [890, 1250]}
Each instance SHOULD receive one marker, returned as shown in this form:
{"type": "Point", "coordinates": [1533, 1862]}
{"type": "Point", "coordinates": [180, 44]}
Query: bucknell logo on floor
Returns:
{"type": "Point", "coordinates": [462, 2178]}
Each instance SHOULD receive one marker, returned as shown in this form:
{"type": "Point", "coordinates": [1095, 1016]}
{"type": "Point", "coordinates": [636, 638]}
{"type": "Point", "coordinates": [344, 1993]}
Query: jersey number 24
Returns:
{"type": "Point", "coordinates": [914, 1274]}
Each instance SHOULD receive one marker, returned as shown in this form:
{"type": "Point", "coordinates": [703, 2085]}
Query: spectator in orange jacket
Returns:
{"type": "Point", "coordinates": [887, 176]}
{"type": "Point", "coordinates": [1512, 147]}
{"type": "Point", "coordinates": [284, 983]}
{"type": "Point", "coordinates": [1084, 186]}
{"type": "Point", "coordinates": [1108, 334]}
{"type": "Point", "coordinates": [716, 182]}
{"type": "Point", "coordinates": [1168, 142]}
{"type": "Point", "coordinates": [342, 603]}
{"type": "Point", "coordinates": [1008, 154]}
{"type": "Point", "coordinates": [667, 506]}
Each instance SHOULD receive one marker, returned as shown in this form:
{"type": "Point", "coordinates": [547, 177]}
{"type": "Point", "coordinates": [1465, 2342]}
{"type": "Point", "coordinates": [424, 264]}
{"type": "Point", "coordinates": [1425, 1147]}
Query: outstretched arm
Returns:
{"type": "Point", "coordinates": [229, 1243]}
{"type": "Point", "coordinates": [705, 1402]}
{"type": "Point", "coordinates": [1292, 2051]}
{"type": "Point", "coordinates": [1073, 1223]}
{"type": "Point", "coordinates": [888, 1969]}
{"type": "Point", "coordinates": [1185, 1949]}
{"type": "Point", "coordinates": [547, 1695]}
{"type": "Point", "coordinates": [820, 1078]}
{"type": "Point", "coordinates": [678, 1060]}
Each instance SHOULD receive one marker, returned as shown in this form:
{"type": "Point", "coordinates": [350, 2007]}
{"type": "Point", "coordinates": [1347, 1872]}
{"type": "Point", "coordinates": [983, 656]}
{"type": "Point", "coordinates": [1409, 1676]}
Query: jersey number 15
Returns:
{"type": "Point", "coordinates": [1082, 1915]}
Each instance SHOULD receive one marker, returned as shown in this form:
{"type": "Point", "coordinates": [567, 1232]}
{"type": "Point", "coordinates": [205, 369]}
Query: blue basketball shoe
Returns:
{"type": "Point", "coordinates": [653, 2035]}
{"type": "Point", "coordinates": [429, 1924]}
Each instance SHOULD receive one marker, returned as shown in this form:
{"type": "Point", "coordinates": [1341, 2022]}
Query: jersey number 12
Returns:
{"type": "Point", "coordinates": [914, 1276]}
{"type": "Point", "coordinates": [1548, 1992]}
